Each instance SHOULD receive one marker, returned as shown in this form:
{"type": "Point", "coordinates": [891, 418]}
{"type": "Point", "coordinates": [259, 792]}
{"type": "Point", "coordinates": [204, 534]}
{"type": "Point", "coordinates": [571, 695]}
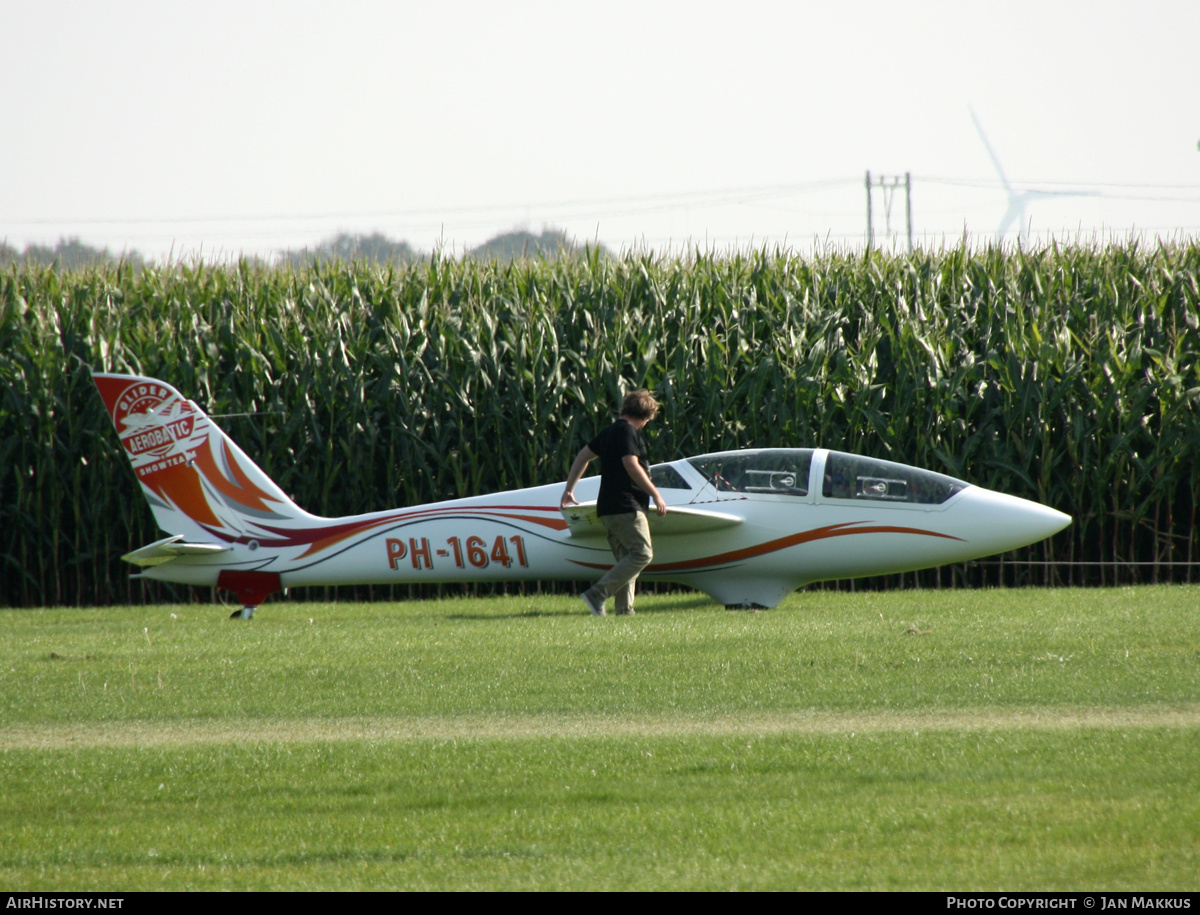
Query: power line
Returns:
{"type": "Point", "coordinates": [640, 203]}
{"type": "Point", "coordinates": [992, 182]}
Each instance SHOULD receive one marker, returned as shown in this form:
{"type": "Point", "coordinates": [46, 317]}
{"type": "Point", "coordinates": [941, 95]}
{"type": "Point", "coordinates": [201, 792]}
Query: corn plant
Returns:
{"type": "Point", "coordinates": [1064, 374]}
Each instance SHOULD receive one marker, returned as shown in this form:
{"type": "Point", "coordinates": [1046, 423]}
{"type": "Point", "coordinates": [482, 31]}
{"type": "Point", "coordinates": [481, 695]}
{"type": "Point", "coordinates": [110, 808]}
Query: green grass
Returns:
{"type": "Point", "coordinates": [913, 740]}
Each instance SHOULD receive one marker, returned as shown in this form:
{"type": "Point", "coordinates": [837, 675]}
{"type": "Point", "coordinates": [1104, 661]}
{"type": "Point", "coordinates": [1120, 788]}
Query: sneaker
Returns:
{"type": "Point", "coordinates": [628, 612]}
{"type": "Point", "coordinates": [596, 606]}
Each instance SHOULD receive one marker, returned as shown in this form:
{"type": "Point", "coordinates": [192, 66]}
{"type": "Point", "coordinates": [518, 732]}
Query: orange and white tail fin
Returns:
{"type": "Point", "coordinates": [198, 482]}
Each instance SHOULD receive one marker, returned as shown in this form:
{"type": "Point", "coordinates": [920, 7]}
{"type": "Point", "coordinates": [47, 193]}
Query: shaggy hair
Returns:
{"type": "Point", "coordinates": [639, 405]}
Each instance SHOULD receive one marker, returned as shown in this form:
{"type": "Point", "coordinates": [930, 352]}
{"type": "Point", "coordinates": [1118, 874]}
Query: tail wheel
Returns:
{"type": "Point", "coordinates": [251, 588]}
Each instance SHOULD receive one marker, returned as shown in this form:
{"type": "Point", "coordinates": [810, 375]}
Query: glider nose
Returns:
{"type": "Point", "coordinates": [1001, 522]}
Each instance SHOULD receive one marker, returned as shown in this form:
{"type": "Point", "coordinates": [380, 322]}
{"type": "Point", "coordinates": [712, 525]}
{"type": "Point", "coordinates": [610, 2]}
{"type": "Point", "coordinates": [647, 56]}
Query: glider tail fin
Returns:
{"type": "Point", "coordinates": [198, 482]}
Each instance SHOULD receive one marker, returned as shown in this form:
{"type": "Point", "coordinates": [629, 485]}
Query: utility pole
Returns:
{"type": "Point", "coordinates": [888, 186]}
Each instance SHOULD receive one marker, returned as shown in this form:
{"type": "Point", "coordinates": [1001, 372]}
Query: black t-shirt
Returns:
{"type": "Point", "coordinates": [618, 493]}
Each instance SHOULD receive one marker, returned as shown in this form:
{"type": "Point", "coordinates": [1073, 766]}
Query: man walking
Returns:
{"type": "Point", "coordinates": [624, 502]}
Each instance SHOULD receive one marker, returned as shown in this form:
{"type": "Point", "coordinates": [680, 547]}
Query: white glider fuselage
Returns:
{"type": "Point", "coordinates": [746, 527]}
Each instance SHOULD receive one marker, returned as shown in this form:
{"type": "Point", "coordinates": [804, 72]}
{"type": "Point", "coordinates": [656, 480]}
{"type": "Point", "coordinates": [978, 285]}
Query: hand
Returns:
{"type": "Point", "coordinates": [660, 506]}
{"type": "Point", "coordinates": [568, 499]}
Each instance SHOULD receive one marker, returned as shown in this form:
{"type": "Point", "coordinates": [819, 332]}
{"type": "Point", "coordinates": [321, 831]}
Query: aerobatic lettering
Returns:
{"type": "Point", "coordinates": [159, 436]}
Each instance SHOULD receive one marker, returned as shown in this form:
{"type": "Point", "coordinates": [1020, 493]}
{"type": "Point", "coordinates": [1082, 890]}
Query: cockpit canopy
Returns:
{"type": "Point", "coordinates": [848, 476]}
{"type": "Point", "coordinates": [787, 472]}
{"type": "Point", "coordinates": [781, 471]}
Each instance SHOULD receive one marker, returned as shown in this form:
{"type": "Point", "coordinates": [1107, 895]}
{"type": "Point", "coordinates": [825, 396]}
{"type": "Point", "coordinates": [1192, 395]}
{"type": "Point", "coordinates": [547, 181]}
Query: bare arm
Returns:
{"type": "Point", "coordinates": [633, 467]}
{"type": "Point", "coordinates": [586, 456]}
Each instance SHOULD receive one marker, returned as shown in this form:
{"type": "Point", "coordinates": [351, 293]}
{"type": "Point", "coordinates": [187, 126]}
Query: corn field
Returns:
{"type": "Point", "coordinates": [1067, 375]}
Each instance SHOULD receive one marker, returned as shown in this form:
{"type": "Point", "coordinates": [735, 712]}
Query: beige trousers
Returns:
{"type": "Point", "coordinates": [629, 540]}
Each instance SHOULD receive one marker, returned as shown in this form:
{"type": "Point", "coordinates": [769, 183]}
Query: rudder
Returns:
{"type": "Point", "coordinates": [198, 482]}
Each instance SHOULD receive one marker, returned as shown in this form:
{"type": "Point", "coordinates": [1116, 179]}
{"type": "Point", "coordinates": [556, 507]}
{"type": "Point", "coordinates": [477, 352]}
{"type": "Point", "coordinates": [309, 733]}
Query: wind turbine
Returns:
{"type": "Point", "coordinates": [1017, 199]}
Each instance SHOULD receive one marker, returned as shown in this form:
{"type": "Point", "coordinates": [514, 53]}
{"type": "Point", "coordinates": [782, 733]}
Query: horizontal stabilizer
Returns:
{"type": "Point", "coordinates": [584, 522]}
{"type": "Point", "coordinates": [163, 551]}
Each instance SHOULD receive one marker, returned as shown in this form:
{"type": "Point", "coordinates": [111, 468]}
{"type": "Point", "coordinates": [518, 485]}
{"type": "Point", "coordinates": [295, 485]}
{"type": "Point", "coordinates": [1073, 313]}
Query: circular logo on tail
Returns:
{"type": "Point", "coordinates": [150, 419]}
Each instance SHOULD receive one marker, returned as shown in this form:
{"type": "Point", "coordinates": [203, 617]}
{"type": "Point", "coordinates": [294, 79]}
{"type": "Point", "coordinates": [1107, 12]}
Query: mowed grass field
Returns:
{"type": "Point", "coordinates": [1002, 739]}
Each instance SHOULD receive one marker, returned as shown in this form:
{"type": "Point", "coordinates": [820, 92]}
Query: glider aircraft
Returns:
{"type": "Point", "coordinates": [745, 527]}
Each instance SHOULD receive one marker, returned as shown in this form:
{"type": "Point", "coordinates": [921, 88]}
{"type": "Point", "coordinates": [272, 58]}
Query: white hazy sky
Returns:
{"type": "Point", "coordinates": [216, 127]}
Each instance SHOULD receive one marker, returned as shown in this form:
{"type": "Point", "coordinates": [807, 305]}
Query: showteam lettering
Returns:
{"type": "Point", "coordinates": [163, 464]}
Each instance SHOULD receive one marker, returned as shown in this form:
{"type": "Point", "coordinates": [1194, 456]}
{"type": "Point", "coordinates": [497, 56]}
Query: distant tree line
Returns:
{"type": "Point", "coordinates": [514, 245]}
{"type": "Point", "coordinates": [68, 254]}
{"type": "Point", "coordinates": [375, 248]}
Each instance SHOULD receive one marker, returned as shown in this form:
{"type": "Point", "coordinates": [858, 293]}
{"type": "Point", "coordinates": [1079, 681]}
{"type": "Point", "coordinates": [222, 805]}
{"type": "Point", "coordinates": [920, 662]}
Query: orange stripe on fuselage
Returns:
{"type": "Point", "coordinates": [772, 546]}
{"type": "Point", "coordinates": [322, 538]}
